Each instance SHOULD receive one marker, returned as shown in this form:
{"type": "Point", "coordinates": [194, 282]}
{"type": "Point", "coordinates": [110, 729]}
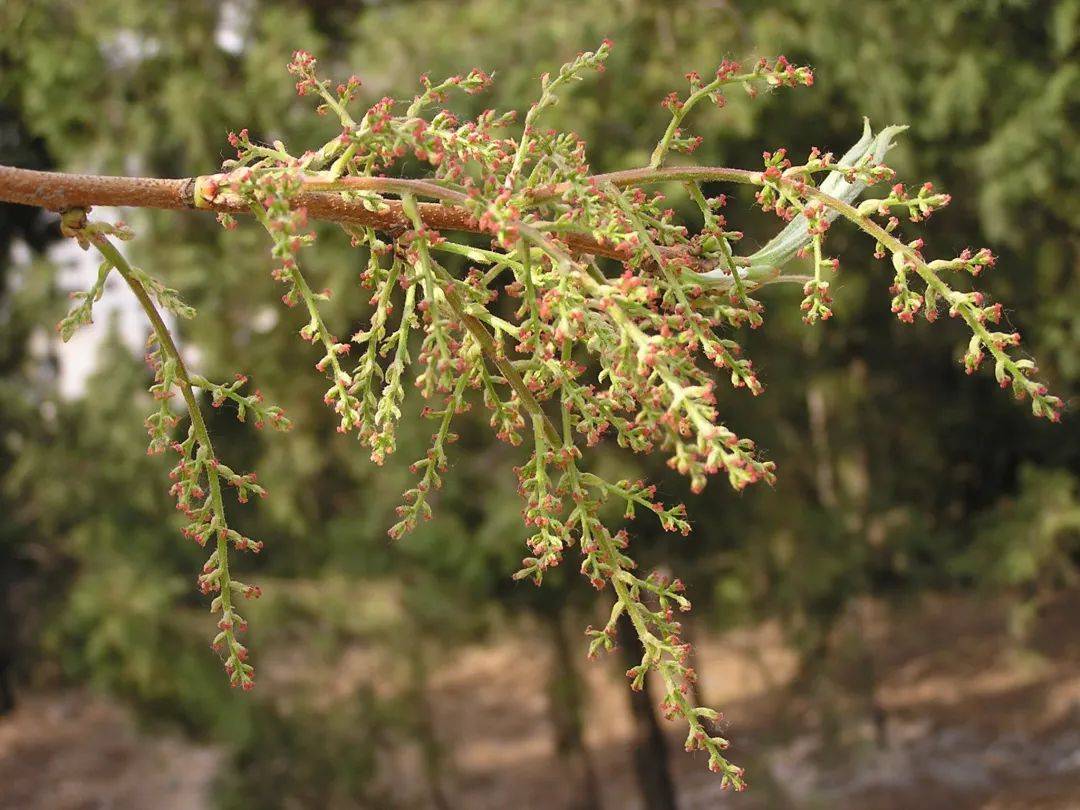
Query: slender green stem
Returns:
{"type": "Point", "coordinates": [679, 113]}
{"type": "Point", "coordinates": [198, 424]}
{"type": "Point", "coordinates": [340, 378]}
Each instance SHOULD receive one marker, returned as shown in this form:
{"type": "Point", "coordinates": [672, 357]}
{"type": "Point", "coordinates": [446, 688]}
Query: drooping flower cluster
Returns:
{"type": "Point", "coordinates": [557, 341]}
{"type": "Point", "coordinates": [918, 286]}
{"type": "Point", "coordinates": [199, 476]}
{"type": "Point", "coordinates": [589, 312]}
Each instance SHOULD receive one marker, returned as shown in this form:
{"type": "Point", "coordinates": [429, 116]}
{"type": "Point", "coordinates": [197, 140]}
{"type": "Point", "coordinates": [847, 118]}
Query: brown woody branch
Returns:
{"type": "Point", "coordinates": [58, 191]}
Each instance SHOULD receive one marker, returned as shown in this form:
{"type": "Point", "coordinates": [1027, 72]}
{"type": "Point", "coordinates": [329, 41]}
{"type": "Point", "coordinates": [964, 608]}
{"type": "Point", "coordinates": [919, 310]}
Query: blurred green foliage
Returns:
{"type": "Point", "coordinates": [897, 473]}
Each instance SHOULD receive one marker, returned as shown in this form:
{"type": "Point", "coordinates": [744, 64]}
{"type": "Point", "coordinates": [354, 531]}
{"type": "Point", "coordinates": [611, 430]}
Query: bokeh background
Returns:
{"type": "Point", "coordinates": [895, 623]}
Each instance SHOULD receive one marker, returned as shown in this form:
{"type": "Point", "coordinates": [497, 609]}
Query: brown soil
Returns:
{"type": "Point", "coordinates": [959, 717]}
{"type": "Point", "coordinates": [74, 751]}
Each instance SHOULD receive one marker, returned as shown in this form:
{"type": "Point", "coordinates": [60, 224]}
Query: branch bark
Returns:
{"type": "Point", "coordinates": [59, 191]}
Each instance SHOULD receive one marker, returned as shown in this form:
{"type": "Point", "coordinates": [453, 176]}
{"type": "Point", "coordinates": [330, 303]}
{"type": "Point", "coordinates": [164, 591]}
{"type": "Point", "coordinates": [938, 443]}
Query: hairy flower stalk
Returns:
{"type": "Point", "coordinates": [590, 312]}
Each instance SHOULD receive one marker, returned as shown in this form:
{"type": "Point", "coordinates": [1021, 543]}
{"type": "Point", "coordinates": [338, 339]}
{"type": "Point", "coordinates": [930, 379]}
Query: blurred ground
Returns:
{"type": "Point", "coordinates": [76, 751]}
{"type": "Point", "coordinates": [966, 718]}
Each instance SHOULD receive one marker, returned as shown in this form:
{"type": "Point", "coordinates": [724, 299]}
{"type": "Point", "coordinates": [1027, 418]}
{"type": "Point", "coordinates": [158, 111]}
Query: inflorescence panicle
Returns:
{"type": "Point", "coordinates": [199, 477]}
{"type": "Point", "coordinates": [561, 346]}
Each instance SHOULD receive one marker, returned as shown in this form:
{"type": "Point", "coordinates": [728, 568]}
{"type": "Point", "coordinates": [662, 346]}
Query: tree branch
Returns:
{"type": "Point", "coordinates": [59, 191]}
